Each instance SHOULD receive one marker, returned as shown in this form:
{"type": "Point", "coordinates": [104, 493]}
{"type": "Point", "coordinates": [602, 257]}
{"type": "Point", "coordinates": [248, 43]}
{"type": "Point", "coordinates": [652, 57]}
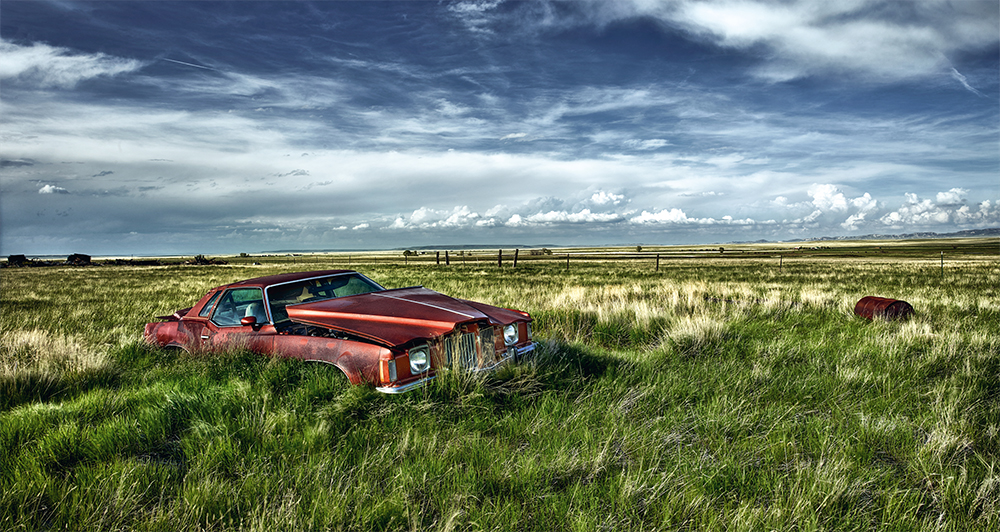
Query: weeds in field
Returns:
{"type": "Point", "coordinates": [36, 365]}
{"type": "Point", "coordinates": [714, 396]}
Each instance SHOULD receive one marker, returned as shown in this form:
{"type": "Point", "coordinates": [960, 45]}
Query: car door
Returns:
{"type": "Point", "coordinates": [225, 329]}
{"type": "Point", "coordinates": [192, 326]}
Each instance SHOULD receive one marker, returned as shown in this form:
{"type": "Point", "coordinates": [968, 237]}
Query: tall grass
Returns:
{"type": "Point", "coordinates": [713, 395]}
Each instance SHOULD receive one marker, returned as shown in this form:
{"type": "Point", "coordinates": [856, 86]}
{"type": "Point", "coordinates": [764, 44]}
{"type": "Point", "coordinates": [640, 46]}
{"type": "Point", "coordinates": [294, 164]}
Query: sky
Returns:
{"type": "Point", "coordinates": [155, 127]}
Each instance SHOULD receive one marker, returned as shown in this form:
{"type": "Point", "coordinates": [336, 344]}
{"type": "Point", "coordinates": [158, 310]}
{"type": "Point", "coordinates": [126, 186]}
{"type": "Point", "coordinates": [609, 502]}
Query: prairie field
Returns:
{"type": "Point", "coordinates": [701, 390]}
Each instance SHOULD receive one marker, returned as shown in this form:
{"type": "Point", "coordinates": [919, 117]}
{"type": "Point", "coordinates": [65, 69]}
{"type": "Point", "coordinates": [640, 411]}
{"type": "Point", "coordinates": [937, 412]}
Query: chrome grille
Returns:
{"type": "Point", "coordinates": [461, 350]}
{"type": "Point", "coordinates": [486, 341]}
{"type": "Point", "coordinates": [467, 351]}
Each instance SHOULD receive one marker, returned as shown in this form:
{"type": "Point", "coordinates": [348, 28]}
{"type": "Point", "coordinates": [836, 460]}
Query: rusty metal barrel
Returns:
{"type": "Point", "coordinates": [891, 309]}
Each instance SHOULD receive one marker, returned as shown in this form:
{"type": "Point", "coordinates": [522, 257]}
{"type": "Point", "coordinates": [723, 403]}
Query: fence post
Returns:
{"type": "Point", "coordinates": [942, 264]}
{"type": "Point", "coordinates": [515, 257]}
{"type": "Point", "coordinates": [657, 262]}
{"type": "Point", "coordinates": [447, 261]}
{"type": "Point", "coordinates": [500, 259]}
{"type": "Point", "coordinates": [567, 262]}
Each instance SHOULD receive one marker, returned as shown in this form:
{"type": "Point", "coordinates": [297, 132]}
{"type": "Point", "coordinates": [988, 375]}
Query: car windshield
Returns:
{"type": "Point", "coordinates": [318, 289]}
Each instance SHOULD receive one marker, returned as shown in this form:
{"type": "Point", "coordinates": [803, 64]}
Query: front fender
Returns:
{"type": "Point", "coordinates": [358, 360]}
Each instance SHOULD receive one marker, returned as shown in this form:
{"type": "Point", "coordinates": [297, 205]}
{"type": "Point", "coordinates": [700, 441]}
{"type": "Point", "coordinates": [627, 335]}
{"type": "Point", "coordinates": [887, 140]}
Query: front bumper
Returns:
{"type": "Point", "coordinates": [515, 354]}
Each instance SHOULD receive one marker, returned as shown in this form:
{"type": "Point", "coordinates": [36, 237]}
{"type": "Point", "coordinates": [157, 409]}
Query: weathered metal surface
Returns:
{"type": "Point", "coordinates": [871, 307]}
{"type": "Point", "coordinates": [391, 317]}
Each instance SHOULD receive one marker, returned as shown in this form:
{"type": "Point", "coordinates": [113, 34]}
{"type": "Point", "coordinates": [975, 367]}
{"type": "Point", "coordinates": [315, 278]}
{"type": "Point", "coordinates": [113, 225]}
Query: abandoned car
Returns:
{"type": "Point", "coordinates": [396, 339]}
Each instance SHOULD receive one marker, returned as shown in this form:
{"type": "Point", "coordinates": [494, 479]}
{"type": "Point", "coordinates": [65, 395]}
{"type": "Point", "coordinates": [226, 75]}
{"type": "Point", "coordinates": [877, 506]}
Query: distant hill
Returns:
{"type": "Point", "coordinates": [454, 247]}
{"type": "Point", "coordinates": [993, 231]}
{"type": "Point", "coordinates": [971, 233]}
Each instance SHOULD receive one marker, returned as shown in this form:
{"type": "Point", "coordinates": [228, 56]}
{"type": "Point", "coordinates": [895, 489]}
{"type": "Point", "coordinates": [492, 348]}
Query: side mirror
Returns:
{"type": "Point", "coordinates": [249, 320]}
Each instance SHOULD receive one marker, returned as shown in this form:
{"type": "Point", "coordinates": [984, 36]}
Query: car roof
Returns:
{"type": "Point", "coordinates": [285, 278]}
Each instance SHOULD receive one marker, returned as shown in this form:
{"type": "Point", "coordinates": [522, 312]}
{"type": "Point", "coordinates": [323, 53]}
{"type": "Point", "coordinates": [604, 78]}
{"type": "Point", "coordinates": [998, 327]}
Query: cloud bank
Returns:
{"type": "Point", "coordinates": [193, 129]}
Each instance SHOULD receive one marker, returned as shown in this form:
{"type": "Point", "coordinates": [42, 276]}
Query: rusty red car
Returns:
{"type": "Point", "coordinates": [396, 339]}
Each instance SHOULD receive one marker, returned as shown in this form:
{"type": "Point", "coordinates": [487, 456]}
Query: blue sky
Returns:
{"type": "Point", "coordinates": [223, 127]}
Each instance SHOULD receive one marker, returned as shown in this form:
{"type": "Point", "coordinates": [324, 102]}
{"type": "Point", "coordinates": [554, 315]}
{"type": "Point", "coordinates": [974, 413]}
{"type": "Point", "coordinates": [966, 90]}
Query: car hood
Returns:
{"type": "Point", "coordinates": [394, 317]}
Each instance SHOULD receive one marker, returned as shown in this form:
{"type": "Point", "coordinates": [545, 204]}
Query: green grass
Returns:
{"type": "Point", "coordinates": [714, 394]}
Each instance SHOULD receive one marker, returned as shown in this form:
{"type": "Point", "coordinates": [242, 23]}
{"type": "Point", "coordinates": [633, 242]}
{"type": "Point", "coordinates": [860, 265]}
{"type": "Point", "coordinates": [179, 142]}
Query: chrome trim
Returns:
{"type": "Point", "coordinates": [423, 382]}
{"type": "Point", "coordinates": [507, 357]}
{"type": "Point", "coordinates": [406, 387]}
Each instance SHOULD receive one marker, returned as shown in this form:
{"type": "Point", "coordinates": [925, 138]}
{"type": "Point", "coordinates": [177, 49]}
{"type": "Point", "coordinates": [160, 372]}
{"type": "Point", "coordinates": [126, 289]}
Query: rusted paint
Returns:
{"type": "Point", "coordinates": [870, 307]}
{"type": "Point", "coordinates": [358, 333]}
{"type": "Point", "coordinates": [392, 317]}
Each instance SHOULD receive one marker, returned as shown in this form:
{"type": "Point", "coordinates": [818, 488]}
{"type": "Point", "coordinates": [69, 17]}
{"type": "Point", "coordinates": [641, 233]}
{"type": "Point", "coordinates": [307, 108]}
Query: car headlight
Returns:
{"type": "Point", "coordinates": [510, 334]}
{"type": "Point", "coordinates": [420, 359]}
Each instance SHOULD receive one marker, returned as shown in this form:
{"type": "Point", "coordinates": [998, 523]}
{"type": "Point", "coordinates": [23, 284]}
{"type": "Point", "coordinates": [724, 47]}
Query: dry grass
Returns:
{"type": "Point", "coordinates": [39, 351]}
{"type": "Point", "coordinates": [711, 395]}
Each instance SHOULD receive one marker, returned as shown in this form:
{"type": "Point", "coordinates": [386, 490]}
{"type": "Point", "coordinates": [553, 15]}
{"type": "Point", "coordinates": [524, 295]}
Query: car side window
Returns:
{"type": "Point", "coordinates": [237, 304]}
{"type": "Point", "coordinates": [207, 309]}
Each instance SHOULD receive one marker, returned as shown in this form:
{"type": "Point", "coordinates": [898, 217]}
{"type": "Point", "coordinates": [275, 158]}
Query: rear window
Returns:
{"type": "Point", "coordinates": [319, 289]}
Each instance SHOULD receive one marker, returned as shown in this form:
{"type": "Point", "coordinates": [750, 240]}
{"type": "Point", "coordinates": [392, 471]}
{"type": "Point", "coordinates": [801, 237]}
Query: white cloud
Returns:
{"type": "Point", "coordinates": [52, 189]}
{"type": "Point", "coordinates": [952, 197]}
{"type": "Point", "coordinates": [678, 217]}
{"type": "Point", "coordinates": [813, 216]}
{"type": "Point", "coordinates": [706, 194]}
{"type": "Point", "coordinates": [660, 217]}
{"type": "Point", "coordinates": [924, 213]}
{"type": "Point", "coordinates": [488, 222]}
{"type": "Point", "coordinates": [427, 218]}
{"type": "Point", "coordinates": [451, 109]}
{"type": "Point", "coordinates": [514, 136]}
{"type": "Point", "coordinates": [48, 66]}
{"type": "Point", "coordinates": [987, 214]}
{"type": "Point", "coordinates": [475, 14]}
{"type": "Point", "coordinates": [650, 144]}
{"type": "Point", "coordinates": [606, 198]}
{"type": "Point", "coordinates": [881, 40]}
{"type": "Point", "coordinates": [495, 210]}
{"type": "Point", "coordinates": [828, 198]}
{"type": "Point", "coordinates": [584, 216]}
{"type": "Point", "coordinates": [965, 82]}
{"type": "Point", "coordinates": [916, 212]}
{"type": "Point", "coordinates": [865, 205]}
{"type": "Point", "coordinates": [361, 226]}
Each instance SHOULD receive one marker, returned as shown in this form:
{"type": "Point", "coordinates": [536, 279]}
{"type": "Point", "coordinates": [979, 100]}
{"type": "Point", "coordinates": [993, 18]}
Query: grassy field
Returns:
{"type": "Point", "coordinates": [724, 391]}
